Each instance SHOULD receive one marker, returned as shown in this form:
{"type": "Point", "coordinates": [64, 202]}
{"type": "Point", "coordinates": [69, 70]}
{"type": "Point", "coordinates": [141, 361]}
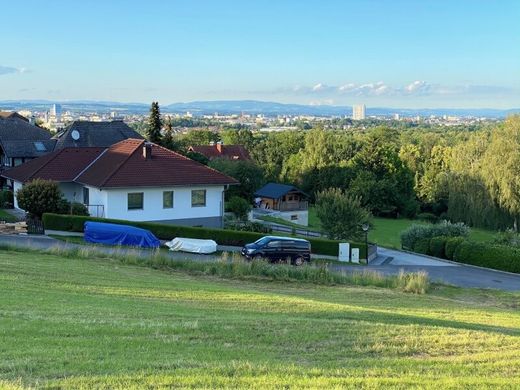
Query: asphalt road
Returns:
{"type": "Point", "coordinates": [389, 262]}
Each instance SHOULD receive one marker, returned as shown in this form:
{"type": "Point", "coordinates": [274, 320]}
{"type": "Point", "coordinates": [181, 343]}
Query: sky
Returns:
{"type": "Point", "coordinates": [391, 53]}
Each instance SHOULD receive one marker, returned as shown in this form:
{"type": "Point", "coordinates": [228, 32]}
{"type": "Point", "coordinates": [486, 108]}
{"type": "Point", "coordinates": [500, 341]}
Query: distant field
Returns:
{"type": "Point", "coordinates": [69, 323]}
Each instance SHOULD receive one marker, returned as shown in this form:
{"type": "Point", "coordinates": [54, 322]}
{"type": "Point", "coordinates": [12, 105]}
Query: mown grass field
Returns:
{"type": "Point", "coordinates": [69, 323]}
{"type": "Point", "coordinates": [5, 216]}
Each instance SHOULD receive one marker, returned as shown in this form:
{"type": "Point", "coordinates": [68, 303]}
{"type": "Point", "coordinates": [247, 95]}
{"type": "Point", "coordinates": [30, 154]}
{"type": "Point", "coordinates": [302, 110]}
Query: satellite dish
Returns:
{"type": "Point", "coordinates": [75, 135]}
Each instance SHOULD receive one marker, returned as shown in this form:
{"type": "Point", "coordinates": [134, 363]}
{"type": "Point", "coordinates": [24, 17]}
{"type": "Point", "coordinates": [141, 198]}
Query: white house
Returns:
{"type": "Point", "coordinates": [133, 180]}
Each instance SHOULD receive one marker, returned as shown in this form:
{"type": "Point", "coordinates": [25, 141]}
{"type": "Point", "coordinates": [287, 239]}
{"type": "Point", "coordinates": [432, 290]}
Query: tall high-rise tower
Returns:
{"type": "Point", "coordinates": [358, 112]}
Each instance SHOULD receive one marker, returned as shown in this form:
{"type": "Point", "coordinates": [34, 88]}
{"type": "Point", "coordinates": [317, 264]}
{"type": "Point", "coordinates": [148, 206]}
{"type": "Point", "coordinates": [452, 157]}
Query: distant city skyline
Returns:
{"type": "Point", "coordinates": [403, 54]}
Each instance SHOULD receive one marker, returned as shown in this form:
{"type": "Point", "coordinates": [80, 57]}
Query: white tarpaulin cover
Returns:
{"type": "Point", "coordinates": [192, 245]}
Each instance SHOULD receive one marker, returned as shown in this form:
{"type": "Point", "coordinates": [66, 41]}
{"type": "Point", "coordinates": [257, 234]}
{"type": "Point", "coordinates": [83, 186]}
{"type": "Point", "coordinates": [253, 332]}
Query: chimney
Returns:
{"type": "Point", "coordinates": [147, 150]}
{"type": "Point", "coordinates": [220, 147]}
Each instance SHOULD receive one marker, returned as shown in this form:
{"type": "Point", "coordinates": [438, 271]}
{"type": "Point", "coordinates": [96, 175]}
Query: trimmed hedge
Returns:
{"type": "Point", "coordinates": [75, 223]}
{"type": "Point", "coordinates": [451, 245]}
{"type": "Point", "coordinates": [437, 247]}
{"type": "Point", "coordinates": [422, 245]}
{"type": "Point", "coordinates": [488, 255]}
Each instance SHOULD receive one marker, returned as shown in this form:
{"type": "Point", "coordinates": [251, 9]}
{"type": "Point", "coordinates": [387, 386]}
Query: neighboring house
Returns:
{"type": "Point", "coordinates": [21, 141]}
{"type": "Point", "coordinates": [12, 115]}
{"type": "Point", "coordinates": [284, 201]}
{"type": "Point", "coordinates": [219, 150]}
{"type": "Point", "coordinates": [133, 180]}
{"type": "Point", "coordinates": [94, 134]}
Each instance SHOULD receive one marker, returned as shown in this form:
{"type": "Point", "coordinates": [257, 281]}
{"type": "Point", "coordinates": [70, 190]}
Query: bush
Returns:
{"type": "Point", "coordinates": [422, 245]}
{"type": "Point", "coordinates": [341, 214]}
{"type": "Point", "coordinates": [428, 217]}
{"type": "Point", "coordinates": [40, 196]}
{"type": "Point", "coordinates": [489, 255]}
{"type": "Point", "coordinates": [437, 246]}
{"type": "Point", "coordinates": [451, 245]}
{"type": "Point", "coordinates": [6, 199]}
{"type": "Point", "coordinates": [75, 223]}
{"type": "Point", "coordinates": [239, 206]}
{"type": "Point", "coordinates": [444, 228]}
{"type": "Point", "coordinates": [248, 226]}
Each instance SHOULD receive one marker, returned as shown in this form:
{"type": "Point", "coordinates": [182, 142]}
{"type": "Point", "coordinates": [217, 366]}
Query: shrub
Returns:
{"type": "Point", "coordinates": [239, 206]}
{"type": "Point", "coordinates": [40, 196]}
{"type": "Point", "coordinates": [248, 226]}
{"type": "Point", "coordinates": [451, 245]}
{"type": "Point", "coordinates": [75, 223]}
{"type": "Point", "coordinates": [437, 246]}
{"type": "Point", "coordinates": [340, 214]}
{"type": "Point", "coordinates": [6, 199]}
{"type": "Point", "coordinates": [444, 228]}
{"type": "Point", "coordinates": [509, 237]}
{"type": "Point", "coordinates": [489, 255]}
{"type": "Point", "coordinates": [422, 245]}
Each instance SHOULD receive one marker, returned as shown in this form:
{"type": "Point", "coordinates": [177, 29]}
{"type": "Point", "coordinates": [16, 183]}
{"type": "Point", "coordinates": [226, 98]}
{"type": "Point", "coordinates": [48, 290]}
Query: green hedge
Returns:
{"type": "Point", "coordinates": [451, 245]}
{"type": "Point", "coordinates": [488, 255]}
{"type": "Point", "coordinates": [437, 247]}
{"type": "Point", "coordinates": [422, 245]}
{"type": "Point", "coordinates": [75, 223]}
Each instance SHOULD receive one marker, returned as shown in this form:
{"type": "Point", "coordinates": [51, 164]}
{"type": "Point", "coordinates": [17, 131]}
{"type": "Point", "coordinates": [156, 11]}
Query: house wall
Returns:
{"type": "Point", "coordinates": [16, 186]}
{"type": "Point", "coordinates": [116, 206]}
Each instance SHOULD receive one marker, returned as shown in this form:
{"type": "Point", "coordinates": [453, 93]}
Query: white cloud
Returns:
{"type": "Point", "coordinates": [11, 70]}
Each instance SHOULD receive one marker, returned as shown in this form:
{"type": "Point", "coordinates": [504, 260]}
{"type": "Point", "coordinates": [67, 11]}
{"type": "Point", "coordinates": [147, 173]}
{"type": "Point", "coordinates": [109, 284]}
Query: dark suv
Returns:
{"type": "Point", "coordinates": [276, 249]}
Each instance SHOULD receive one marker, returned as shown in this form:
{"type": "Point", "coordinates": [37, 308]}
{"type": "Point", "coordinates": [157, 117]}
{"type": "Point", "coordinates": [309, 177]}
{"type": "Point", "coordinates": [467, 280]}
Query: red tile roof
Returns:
{"type": "Point", "coordinates": [121, 165]}
{"type": "Point", "coordinates": [63, 165]}
{"type": "Point", "coordinates": [232, 152]}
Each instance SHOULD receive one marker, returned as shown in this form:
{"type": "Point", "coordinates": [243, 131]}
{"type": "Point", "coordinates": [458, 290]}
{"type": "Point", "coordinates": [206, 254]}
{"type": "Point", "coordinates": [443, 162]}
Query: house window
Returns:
{"type": "Point", "coordinates": [17, 161]}
{"type": "Point", "coordinates": [167, 199]}
{"type": "Point", "coordinates": [198, 198]}
{"type": "Point", "coordinates": [135, 200]}
{"type": "Point", "coordinates": [40, 147]}
{"type": "Point", "coordinates": [86, 196]}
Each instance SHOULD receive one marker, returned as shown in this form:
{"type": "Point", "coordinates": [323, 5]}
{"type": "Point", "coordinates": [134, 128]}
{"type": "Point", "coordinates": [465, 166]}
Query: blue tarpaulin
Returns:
{"type": "Point", "coordinates": [113, 234]}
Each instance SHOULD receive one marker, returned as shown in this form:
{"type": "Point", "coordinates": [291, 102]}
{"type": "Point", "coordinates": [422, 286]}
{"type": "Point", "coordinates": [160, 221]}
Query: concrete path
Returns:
{"type": "Point", "coordinates": [389, 262]}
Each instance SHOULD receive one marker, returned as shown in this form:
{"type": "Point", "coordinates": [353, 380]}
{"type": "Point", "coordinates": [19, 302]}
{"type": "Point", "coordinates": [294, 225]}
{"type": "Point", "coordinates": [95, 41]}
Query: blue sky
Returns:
{"type": "Point", "coordinates": [420, 53]}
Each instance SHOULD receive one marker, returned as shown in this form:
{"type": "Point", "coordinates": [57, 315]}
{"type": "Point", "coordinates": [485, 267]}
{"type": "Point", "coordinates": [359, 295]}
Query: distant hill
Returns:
{"type": "Point", "coordinates": [252, 107]}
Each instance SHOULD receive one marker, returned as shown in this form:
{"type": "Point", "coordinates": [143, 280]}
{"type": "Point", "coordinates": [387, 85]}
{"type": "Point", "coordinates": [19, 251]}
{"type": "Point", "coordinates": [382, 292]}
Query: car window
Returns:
{"type": "Point", "coordinates": [273, 244]}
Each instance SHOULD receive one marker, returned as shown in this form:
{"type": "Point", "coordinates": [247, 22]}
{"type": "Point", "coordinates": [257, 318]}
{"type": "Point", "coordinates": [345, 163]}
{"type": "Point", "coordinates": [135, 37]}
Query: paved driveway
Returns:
{"type": "Point", "coordinates": [389, 262]}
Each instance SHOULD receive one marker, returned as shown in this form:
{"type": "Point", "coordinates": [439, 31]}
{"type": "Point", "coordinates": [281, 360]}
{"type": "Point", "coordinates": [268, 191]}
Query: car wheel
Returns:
{"type": "Point", "coordinates": [298, 261]}
{"type": "Point", "coordinates": [256, 258]}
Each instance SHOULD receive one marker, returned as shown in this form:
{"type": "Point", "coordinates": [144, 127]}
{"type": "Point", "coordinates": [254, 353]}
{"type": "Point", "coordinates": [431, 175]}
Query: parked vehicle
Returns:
{"type": "Point", "coordinates": [273, 248]}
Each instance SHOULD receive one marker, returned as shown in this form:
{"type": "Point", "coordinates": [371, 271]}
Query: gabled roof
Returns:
{"type": "Point", "coordinates": [276, 191]}
{"type": "Point", "coordinates": [12, 115]}
{"type": "Point", "coordinates": [122, 165]}
{"type": "Point", "coordinates": [62, 165]}
{"type": "Point", "coordinates": [18, 137]}
{"type": "Point", "coordinates": [95, 134]}
{"type": "Point", "coordinates": [232, 152]}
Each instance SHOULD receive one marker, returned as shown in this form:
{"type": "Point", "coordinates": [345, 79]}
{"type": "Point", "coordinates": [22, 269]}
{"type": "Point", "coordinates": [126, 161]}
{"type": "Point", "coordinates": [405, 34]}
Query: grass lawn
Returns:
{"type": "Point", "coordinates": [386, 232]}
{"type": "Point", "coordinates": [5, 216]}
{"type": "Point", "coordinates": [69, 323]}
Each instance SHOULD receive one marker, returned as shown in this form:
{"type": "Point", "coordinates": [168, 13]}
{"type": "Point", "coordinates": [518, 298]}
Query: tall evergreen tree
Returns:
{"type": "Point", "coordinates": [153, 132]}
{"type": "Point", "coordinates": [167, 140]}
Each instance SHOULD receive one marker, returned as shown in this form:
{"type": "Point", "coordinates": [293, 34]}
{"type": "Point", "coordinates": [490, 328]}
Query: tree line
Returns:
{"type": "Point", "coordinates": [466, 174]}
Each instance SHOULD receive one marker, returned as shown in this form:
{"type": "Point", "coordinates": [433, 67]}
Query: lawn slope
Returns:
{"type": "Point", "coordinates": [71, 323]}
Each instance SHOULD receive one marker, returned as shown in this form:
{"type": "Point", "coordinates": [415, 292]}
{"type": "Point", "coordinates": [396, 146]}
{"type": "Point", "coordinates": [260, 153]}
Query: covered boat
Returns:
{"type": "Point", "coordinates": [114, 234]}
{"type": "Point", "coordinates": [192, 245]}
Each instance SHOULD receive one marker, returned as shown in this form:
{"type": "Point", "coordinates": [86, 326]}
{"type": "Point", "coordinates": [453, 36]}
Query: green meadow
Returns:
{"type": "Point", "coordinates": [98, 323]}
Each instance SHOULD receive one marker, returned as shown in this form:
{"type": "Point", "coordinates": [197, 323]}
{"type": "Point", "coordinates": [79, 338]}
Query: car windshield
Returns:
{"type": "Point", "coordinates": [262, 241]}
